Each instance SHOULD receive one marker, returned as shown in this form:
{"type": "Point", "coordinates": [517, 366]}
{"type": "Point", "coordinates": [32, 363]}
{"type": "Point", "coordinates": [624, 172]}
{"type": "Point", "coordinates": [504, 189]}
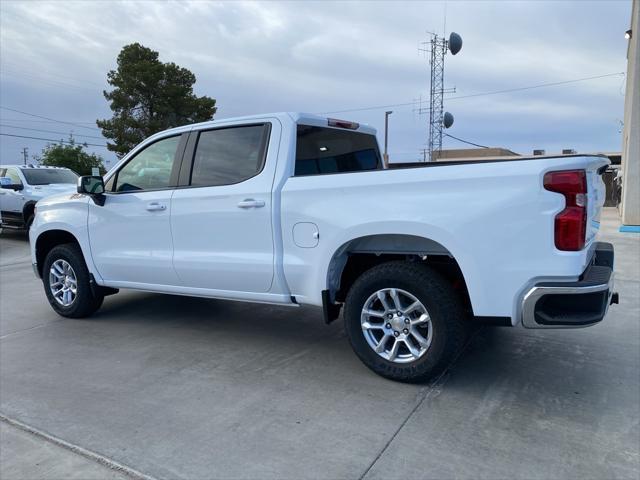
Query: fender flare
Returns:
{"type": "Point", "coordinates": [31, 204]}
{"type": "Point", "coordinates": [444, 242]}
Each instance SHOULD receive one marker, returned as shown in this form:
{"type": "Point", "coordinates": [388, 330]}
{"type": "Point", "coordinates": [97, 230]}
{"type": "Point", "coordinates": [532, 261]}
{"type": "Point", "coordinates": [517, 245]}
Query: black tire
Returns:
{"type": "Point", "coordinates": [445, 308]}
{"type": "Point", "coordinates": [85, 302]}
{"type": "Point", "coordinates": [29, 222]}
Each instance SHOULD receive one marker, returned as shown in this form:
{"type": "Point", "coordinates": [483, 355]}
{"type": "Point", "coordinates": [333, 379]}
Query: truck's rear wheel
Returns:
{"type": "Point", "coordinates": [67, 283]}
{"type": "Point", "coordinates": [404, 321]}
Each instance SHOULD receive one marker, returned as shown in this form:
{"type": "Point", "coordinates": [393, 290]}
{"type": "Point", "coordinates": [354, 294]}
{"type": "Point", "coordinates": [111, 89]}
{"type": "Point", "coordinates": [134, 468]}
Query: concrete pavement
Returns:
{"type": "Point", "coordinates": [191, 388]}
{"type": "Point", "coordinates": [27, 456]}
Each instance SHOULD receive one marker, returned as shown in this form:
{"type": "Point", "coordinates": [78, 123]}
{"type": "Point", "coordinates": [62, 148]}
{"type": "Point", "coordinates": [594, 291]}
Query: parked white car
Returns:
{"type": "Point", "coordinates": [295, 209]}
{"type": "Point", "coordinates": [21, 186]}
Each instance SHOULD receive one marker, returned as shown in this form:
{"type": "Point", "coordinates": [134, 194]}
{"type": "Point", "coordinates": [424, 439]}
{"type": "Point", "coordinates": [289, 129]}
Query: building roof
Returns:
{"type": "Point", "coordinates": [473, 153]}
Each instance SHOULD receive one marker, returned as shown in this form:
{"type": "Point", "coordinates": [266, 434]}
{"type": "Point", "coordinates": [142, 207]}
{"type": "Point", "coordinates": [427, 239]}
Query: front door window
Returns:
{"type": "Point", "coordinates": [149, 169]}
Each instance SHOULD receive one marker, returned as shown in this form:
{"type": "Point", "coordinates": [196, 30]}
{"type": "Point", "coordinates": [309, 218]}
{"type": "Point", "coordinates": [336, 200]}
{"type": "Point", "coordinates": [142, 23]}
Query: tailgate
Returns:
{"type": "Point", "coordinates": [596, 196]}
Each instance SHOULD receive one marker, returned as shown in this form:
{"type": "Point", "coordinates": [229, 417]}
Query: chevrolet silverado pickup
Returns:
{"type": "Point", "coordinates": [296, 209]}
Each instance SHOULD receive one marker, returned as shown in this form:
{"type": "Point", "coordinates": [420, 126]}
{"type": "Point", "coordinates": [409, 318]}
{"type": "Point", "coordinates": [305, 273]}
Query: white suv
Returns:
{"type": "Point", "coordinates": [21, 186]}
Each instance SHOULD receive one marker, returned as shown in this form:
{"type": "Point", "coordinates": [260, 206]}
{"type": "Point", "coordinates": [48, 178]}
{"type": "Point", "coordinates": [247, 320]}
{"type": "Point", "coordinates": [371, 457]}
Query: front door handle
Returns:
{"type": "Point", "coordinates": [251, 203]}
{"type": "Point", "coordinates": [155, 207]}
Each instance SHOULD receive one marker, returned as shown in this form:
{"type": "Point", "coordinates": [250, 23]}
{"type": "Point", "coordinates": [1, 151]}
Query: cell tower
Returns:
{"type": "Point", "coordinates": [438, 118]}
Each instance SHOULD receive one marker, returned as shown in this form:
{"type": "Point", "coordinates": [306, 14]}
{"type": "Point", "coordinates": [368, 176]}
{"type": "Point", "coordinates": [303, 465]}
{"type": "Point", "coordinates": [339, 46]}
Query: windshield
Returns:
{"type": "Point", "coordinates": [46, 176]}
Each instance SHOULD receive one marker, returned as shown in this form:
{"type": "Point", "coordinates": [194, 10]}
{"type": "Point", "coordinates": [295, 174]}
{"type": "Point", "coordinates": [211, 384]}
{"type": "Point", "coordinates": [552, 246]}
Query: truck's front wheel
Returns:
{"type": "Point", "coordinates": [404, 321]}
{"type": "Point", "coordinates": [67, 282]}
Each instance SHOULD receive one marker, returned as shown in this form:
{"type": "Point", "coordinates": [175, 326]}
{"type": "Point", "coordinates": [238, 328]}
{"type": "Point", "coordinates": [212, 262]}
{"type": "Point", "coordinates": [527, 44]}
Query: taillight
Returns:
{"type": "Point", "coordinates": [570, 223]}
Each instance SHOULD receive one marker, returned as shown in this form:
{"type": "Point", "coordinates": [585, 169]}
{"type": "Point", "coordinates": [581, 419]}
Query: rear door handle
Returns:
{"type": "Point", "coordinates": [155, 207]}
{"type": "Point", "coordinates": [251, 203]}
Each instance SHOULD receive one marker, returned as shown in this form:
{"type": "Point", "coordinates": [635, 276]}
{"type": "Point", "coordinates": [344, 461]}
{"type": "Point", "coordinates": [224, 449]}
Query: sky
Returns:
{"type": "Point", "coordinates": [329, 56]}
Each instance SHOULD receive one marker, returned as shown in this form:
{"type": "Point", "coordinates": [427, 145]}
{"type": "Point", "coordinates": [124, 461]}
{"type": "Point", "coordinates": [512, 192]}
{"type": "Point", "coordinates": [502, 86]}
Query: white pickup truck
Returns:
{"type": "Point", "coordinates": [296, 209]}
{"type": "Point", "coordinates": [21, 186]}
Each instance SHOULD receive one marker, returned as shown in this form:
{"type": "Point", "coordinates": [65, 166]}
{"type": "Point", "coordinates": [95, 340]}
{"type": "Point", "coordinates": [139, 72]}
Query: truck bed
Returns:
{"type": "Point", "coordinates": [444, 163]}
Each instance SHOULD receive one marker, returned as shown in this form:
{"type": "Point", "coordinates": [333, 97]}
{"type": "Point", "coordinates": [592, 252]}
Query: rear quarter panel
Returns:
{"type": "Point", "coordinates": [495, 219]}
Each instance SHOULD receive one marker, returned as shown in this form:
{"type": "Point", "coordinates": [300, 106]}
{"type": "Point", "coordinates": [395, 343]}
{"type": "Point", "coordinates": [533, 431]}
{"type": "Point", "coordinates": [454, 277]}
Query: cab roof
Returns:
{"type": "Point", "coordinates": [297, 117]}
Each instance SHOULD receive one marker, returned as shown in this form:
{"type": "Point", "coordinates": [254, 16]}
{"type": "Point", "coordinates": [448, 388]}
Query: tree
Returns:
{"type": "Point", "coordinates": [71, 155]}
{"type": "Point", "coordinates": [149, 96]}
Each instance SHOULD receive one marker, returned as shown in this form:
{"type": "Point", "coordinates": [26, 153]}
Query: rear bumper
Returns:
{"type": "Point", "coordinates": [573, 304]}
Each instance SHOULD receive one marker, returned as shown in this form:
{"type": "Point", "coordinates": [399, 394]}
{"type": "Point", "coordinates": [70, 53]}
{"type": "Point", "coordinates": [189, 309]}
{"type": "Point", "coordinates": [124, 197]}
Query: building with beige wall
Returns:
{"type": "Point", "coordinates": [630, 205]}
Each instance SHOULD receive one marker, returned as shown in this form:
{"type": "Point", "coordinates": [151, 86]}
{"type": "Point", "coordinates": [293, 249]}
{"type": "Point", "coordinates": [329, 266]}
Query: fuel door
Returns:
{"type": "Point", "coordinates": [306, 235]}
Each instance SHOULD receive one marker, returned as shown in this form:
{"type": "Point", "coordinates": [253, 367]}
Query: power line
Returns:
{"type": "Point", "coordinates": [377, 107]}
{"type": "Point", "coordinates": [18, 68]}
{"type": "Point", "coordinates": [46, 81]}
{"type": "Point", "coordinates": [465, 141]}
{"type": "Point", "coordinates": [495, 92]}
{"type": "Point", "coordinates": [552, 84]}
{"type": "Point", "coordinates": [47, 118]}
{"type": "Point", "coordinates": [52, 140]}
{"type": "Point", "coordinates": [49, 131]}
{"type": "Point", "coordinates": [33, 120]}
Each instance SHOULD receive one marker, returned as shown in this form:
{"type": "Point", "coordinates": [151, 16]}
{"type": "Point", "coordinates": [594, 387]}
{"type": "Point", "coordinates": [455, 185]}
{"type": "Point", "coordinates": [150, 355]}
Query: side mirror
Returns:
{"type": "Point", "coordinates": [7, 182]}
{"type": "Point", "coordinates": [92, 186]}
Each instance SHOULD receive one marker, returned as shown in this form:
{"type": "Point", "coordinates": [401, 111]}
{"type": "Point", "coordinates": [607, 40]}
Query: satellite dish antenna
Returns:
{"type": "Point", "coordinates": [447, 120]}
{"type": "Point", "coordinates": [455, 43]}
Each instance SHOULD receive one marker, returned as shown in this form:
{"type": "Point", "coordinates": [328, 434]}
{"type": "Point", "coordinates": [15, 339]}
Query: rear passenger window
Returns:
{"type": "Point", "coordinates": [229, 155]}
{"type": "Point", "coordinates": [329, 150]}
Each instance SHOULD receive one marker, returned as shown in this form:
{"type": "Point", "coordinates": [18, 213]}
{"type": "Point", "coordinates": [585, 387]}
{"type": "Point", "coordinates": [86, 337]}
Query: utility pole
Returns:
{"type": "Point", "coordinates": [385, 157]}
{"type": "Point", "coordinates": [25, 154]}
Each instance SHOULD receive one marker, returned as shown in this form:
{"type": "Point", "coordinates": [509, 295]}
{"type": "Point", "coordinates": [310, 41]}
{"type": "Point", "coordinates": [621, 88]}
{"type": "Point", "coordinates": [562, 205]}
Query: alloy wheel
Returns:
{"type": "Point", "coordinates": [63, 282]}
{"type": "Point", "coordinates": [396, 325]}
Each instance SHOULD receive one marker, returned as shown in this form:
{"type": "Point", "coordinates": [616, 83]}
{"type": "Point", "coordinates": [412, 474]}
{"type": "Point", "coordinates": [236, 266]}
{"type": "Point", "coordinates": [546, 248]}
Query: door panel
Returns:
{"type": "Point", "coordinates": [219, 245]}
{"type": "Point", "coordinates": [130, 235]}
{"type": "Point", "coordinates": [12, 201]}
{"type": "Point", "coordinates": [223, 238]}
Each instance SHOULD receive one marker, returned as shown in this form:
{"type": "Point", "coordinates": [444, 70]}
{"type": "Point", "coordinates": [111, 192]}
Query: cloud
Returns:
{"type": "Point", "coordinates": [321, 56]}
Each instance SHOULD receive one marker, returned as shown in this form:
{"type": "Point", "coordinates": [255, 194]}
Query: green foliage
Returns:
{"type": "Point", "coordinates": [71, 155]}
{"type": "Point", "coordinates": [149, 96]}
